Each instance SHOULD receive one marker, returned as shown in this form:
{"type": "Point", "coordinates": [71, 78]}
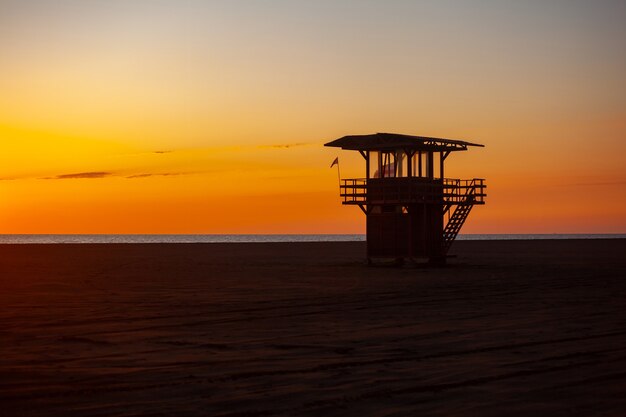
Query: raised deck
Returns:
{"type": "Point", "coordinates": [403, 190]}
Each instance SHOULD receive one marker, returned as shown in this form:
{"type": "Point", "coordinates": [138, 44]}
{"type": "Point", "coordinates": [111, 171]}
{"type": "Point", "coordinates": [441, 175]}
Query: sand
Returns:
{"type": "Point", "coordinates": [515, 328]}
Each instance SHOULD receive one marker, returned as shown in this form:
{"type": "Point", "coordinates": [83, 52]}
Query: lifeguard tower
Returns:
{"type": "Point", "coordinates": [413, 211]}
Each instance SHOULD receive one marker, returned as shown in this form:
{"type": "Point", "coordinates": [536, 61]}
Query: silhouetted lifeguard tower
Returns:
{"type": "Point", "coordinates": [412, 210]}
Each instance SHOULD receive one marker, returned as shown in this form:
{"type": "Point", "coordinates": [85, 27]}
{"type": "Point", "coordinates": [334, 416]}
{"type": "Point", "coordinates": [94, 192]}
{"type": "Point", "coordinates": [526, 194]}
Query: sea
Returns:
{"type": "Point", "coordinates": [260, 238]}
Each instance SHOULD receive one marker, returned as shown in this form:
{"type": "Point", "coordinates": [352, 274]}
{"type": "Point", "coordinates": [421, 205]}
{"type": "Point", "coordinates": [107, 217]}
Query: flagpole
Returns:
{"type": "Point", "coordinates": [336, 162]}
{"type": "Point", "coordinates": [339, 176]}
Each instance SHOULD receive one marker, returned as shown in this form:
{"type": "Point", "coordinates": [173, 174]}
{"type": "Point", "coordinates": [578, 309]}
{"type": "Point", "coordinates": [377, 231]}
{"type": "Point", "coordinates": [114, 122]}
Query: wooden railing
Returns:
{"type": "Point", "coordinates": [457, 191]}
{"type": "Point", "coordinates": [353, 190]}
{"type": "Point", "coordinates": [412, 190]}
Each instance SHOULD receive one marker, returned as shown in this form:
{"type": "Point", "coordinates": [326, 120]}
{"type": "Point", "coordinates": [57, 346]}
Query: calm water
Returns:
{"type": "Point", "coordinates": [52, 239]}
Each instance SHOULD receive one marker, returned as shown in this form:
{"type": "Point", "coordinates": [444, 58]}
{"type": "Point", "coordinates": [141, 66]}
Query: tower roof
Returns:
{"type": "Point", "coordinates": [394, 141]}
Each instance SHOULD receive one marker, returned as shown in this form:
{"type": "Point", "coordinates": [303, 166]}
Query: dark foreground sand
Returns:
{"type": "Point", "coordinates": [509, 328]}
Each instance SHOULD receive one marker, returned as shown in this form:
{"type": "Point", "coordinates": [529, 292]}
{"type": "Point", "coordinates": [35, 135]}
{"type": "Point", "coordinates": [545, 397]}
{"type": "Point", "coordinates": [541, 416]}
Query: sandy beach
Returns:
{"type": "Point", "coordinates": [515, 328]}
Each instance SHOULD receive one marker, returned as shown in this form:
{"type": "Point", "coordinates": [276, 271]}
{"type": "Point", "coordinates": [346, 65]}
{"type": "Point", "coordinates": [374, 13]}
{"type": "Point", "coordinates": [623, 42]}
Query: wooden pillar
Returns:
{"type": "Point", "coordinates": [441, 158]}
{"type": "Point", "coordinates": [430, 166]}
{"type": "Point", "coordinates": [397, 163]}
{"type": "Point", "coordinates": [367, 165]}
{"type": "Point", "coordinates": [409, 163]}
{"type": "Point", "coordinates": [419, 164]}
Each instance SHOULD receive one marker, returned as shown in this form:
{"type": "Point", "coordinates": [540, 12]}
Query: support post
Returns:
{"type": "Point", "coordinates": [419, 163]}
{"type": "Point", "coordinates": [430, 165]}
{"type": "Point", "coordinates": [441, 159]}
{"type": "Point", "coordinates": [409, 163]}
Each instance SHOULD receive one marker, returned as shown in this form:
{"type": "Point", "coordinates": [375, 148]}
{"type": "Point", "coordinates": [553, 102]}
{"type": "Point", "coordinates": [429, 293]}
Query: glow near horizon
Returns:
{"type": "Point", "coordinates": [179, 106]}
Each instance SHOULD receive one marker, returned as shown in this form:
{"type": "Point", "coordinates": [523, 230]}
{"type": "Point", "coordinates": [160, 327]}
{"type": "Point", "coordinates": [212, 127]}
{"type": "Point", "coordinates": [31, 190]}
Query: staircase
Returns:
{"type": "Point", "coordinates": [456, 222]}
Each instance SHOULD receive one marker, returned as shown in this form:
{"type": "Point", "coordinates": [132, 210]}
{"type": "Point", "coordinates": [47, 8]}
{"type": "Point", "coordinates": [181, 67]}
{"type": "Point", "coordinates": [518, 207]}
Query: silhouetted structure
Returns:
{"type": "Point", "coordinates": [412, 210]}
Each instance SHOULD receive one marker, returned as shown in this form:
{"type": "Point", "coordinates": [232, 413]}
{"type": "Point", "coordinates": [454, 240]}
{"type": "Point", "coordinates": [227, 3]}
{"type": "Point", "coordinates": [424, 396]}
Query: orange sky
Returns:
{"type": "Point", "coordinates": [188, 117]}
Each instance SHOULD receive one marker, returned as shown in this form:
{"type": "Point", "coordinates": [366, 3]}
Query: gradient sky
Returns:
{"type": "Point", "coordinates": [210, 116]}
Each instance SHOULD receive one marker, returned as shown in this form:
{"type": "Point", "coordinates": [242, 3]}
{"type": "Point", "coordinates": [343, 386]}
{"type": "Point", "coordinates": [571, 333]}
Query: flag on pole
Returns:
{"type": "Point", "coordinates": [336, 162]}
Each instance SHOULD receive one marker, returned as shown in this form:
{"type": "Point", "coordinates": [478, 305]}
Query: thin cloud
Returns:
{"type": "Point", "coordinates": [591, 184]}
{"type": "Point", "coordinates": [160, 174]}
{"type": "Point", "coordinates": [139, 176]}
{"type": "Point", "coordinates": [95, 175]}
{"type": "Point", "coordinates": [285, 145]}
{"type": "Point", "coordinates": [81, 175]}
{"type": "Point", "coordinates": [146, 152]}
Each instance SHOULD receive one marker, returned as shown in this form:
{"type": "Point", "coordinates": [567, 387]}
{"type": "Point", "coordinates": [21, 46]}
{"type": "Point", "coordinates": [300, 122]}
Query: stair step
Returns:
{"type": "Point", "coordinates": [455, 222]}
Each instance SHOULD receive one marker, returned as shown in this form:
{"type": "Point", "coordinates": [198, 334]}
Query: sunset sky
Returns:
{"type": "Point", "coordinates": [210, 116]}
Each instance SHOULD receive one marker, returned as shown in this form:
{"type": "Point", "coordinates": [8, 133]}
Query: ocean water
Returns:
{"type": "Point", "coordinates": [262, 238]}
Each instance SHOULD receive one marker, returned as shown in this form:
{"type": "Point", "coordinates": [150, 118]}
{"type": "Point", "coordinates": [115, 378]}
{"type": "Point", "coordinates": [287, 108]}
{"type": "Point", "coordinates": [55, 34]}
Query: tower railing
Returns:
{"type": "Point", "coordinates": [412, 190]}
{"type": "Point", "coordinates": [458, 191]}
{"type": "Point", "coordinates": [353, 190]}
